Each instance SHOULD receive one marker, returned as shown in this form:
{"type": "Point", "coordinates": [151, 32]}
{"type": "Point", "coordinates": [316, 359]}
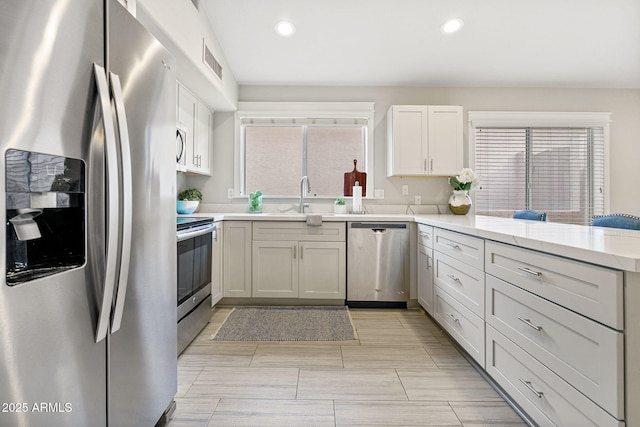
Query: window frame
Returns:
{"type": "Point", "coordinates": [303, 110]}
{"type": "Point", "coordinates": [533, 119]}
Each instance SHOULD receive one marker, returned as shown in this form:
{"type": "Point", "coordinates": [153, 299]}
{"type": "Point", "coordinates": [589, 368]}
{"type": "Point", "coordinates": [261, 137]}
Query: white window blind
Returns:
{"type": "Point", "coordinates": [557, 170]}
{"type": "Point", "coordinates": [279, 142]}
{"type": "Point", "coordinates": [278, 155]}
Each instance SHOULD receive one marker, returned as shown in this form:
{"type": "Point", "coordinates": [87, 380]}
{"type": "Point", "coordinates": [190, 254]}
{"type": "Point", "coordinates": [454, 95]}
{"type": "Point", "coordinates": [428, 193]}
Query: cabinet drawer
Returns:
{"type": "Point", "coordinates": [584, 353]}
{"type": "Point", "coordinates": [467, 249]}
{"type": "Point", "coordinates": [464, 326]}
{"type": "Point", "coordinates": [464, 283]}
{"type": "Point", "coordinates": [593, 291]}
{"type": "Point", "coordinates": [544, 396]}
{"type": "Point", "coordinates": [425, 235]}
{"type": "Point", "coordinates": [299, 230]}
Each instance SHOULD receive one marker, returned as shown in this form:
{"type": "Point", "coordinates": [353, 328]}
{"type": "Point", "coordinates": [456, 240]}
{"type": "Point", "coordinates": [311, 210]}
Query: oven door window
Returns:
{"type": "Point", "coordinates": [194, 266]}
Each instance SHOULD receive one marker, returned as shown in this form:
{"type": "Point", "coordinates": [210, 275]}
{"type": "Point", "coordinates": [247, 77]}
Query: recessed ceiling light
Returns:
{"type": "Point", "coordinates": [452, 25]}
{"type": "Point", "coordinates": [285, 28]}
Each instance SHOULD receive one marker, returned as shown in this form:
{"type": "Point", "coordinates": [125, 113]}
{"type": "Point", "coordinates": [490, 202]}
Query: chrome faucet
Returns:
{"type": "Point", "coordinates": [304, 192]}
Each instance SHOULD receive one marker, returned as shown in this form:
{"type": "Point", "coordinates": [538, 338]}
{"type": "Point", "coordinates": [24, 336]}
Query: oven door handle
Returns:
{"type": "Point", "coordinates": [200, 232]}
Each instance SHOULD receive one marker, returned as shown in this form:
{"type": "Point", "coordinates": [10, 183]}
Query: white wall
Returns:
{"type": "Point", "coordinates": [624, 104]}
{"type": "Point", "coordinates": [181, 28]}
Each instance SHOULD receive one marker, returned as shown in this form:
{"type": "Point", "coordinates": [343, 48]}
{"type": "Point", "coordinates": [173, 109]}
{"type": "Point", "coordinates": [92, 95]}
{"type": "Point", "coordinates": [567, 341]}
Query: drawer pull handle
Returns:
{"type": "Point", "coordinates": [453, 245]}
{"type": "Point", "coordinates": [528, 323]}
{"type": "Point", "coordinates": [530, 271]}
{"type": "Point", "coordinates": [530, 387]}
{"type": "Point", "coordinates": [454, 318]}
{"type": "Point", "coordinates": [454, 278]}
{"type": "Point", "coordinates": [423, 234]}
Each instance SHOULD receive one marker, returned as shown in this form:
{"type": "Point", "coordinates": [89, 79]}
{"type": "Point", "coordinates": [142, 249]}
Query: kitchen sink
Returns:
{"type": "Point", "coordinates": [295, 214]}
{"type": "Point", "coordinates": [282, 213]}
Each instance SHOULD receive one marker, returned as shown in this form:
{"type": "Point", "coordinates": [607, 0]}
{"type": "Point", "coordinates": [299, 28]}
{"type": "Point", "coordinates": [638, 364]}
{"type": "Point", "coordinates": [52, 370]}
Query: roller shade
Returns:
{"type": "Point", "coordinates": [288, 121]}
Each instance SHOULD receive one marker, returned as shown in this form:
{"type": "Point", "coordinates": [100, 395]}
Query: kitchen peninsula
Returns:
{"type": "Point", "coordinates": [557, 319]}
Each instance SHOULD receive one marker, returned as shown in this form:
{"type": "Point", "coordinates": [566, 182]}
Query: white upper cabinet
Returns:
{"type": "Point", "coordinates": [194, 119]}
{"type": "Point", "coordinates": [424, 140]}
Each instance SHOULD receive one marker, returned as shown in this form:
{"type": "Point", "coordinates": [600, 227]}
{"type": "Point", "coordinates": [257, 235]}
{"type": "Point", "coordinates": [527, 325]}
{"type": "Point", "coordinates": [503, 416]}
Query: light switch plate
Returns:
{"type": "Point", "coordinates": [405, 190]}
{"type": "Point", "coordinates": [418, 200]}
{"type": "Point", "coordinates": [379, 194]}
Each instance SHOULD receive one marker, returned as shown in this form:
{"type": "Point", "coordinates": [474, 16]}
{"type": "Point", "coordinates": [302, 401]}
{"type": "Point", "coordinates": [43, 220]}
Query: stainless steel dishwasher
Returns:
{"type": "Point", "coordinates": [377, 264]}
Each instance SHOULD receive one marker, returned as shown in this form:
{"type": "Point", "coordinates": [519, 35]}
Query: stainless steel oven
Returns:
{"type": "Point", "coordinates": [194, 237]}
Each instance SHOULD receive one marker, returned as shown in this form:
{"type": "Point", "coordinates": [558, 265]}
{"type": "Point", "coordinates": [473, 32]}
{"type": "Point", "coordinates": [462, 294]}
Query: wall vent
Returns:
{"type": "Point", "coordinates": [211, 61]}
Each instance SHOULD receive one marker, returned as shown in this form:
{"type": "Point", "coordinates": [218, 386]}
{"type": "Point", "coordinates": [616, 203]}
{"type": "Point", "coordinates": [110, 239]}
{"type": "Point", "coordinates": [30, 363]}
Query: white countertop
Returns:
{"type": "Point", "coordinates": [609, 247]}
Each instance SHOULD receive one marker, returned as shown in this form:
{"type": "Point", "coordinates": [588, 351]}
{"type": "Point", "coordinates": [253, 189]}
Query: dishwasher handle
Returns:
{"type": "Point", "coordinates": [377, 226]}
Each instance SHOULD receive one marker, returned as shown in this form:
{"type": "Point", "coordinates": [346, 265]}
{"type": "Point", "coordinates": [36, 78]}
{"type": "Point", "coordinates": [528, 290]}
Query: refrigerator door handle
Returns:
{"type": "Point", "coordinates": [127, 200]}
{"type": "Point", "coordinates": [113, 202]}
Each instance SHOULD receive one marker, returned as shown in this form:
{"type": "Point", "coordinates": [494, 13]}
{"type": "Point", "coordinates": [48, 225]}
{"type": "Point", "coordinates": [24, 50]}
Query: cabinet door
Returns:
{"type": "Point", "coordinates": [445, 142]}
{"type": "Point", "coordinates": [202, 143]}
{"type": "Point", "coordinates": [407, 140]}
{"type": "Point", "coordinates": [424, 140]}
{"type": "Point", "coordinates": [425, 278]}
{"type": "Point", "coordinates": [464, 326]}
{"type": "Point", "coordinates": [216, 265]}
{"type": "Point", "coordinates": [187, 109]}
{"type": "Point", "coordinates": [275, 269]}
{"type": "Point", "coordinates": [237, 259]}
{"type": "Point", "coordinates": [322, 270]}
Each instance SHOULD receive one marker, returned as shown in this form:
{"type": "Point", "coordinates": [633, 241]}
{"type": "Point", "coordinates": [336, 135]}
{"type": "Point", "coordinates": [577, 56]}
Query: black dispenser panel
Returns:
{"type": "Point", "coordinates": [45, 215]}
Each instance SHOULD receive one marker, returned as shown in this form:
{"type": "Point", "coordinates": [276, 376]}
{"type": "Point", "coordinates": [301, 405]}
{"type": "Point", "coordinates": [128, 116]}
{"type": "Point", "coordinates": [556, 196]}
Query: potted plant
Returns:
{"type": "Point", "coordinates": [340, 206]}
{"type": "Point", "coordinates": [460, 202]}
{"type": "Point", "coordinates": [188, 201]}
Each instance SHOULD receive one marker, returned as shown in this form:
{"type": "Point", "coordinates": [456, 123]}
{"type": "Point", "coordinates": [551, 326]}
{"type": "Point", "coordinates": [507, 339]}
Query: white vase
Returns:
{"type": "Point", "coordinates": [459, 202]}
{"type": "Point", "coordinates": [340, 209]}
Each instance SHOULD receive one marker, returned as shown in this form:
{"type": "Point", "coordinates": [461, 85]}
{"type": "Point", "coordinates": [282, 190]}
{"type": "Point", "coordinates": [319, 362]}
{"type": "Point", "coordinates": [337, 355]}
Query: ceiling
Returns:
{"type": "Point", "coordinates": [503, 43]}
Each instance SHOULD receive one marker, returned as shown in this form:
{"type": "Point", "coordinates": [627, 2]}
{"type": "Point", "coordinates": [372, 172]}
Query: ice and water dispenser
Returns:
{"type": "Point", "coordinates": [45, 215]}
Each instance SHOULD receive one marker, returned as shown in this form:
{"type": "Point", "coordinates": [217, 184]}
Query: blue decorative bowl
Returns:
{"type": "Point", "coordinates": [186, 206]}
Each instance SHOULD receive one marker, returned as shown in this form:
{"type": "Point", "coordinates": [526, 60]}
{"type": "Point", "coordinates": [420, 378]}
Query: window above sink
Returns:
{"type": "Point", "coordinates": [279, 142]}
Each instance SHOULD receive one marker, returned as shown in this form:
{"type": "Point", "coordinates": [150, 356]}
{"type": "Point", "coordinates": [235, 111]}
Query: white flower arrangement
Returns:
{"type": "Point", "coordinates": [465, 180]}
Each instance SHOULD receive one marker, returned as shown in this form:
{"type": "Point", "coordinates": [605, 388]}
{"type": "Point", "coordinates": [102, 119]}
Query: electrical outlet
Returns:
{"type": "Point", "coordinates": [405, 190]}
{"type": "Point", "coordinates": [378, 194]}
{"type": "Point", "coordinates": [230, 193]}
{"type": "Point", "coordinates": [418, 199]}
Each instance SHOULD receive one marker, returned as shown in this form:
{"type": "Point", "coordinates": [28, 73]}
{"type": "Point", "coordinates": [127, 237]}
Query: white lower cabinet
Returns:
{"type": "Point", "coordinates": [425, 278]}
{"type": "Point", "coordinates": [545, 397]}
{"type": "Point", "coordinates": [293, 260]}
{"type": "Point", "coordinates": [236, 270]}
{"type": "Point", "coordinates": [558, 321]}
{"type": "Point", "coordinates": [457, 277]}
{"type": "Point", "coordinates": [547, 329]}
{"type": "Point", "coordinates": [275, 269]}
{"type": "Point", "coordinates": [216, 264]}
{"type": "Point", "coordinates": [291, 269]}
{"type": "Point", "coordinates": [584, 353]}
{"type": "Point", "coordinates": [322, 270]}
{"type": "Point", "coordinates": [462, 282]}
{"type": "Point", "coordinates": [461, 323]}
{"type": "Point", "coordinates": [593, 291]}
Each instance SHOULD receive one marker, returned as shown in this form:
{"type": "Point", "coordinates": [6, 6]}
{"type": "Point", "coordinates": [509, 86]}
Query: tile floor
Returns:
{"type": "Point", "coordinates": [402, 371]}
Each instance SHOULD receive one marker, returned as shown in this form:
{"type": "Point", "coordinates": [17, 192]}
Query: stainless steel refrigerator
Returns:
{"type": "Point", "coordinates": [88, 294]}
